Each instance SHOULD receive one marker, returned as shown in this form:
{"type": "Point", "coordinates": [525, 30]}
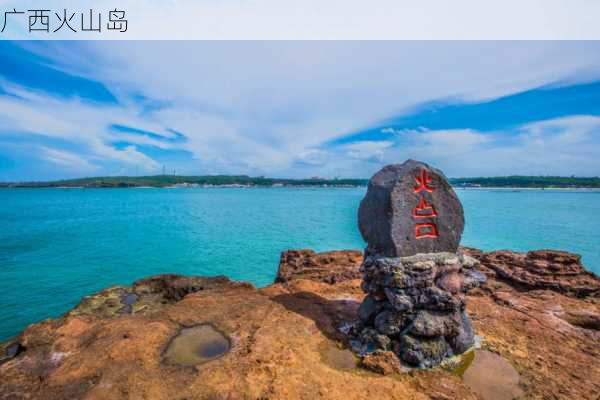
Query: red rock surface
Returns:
{"type": "Point", "coordinates": [541, 269]}
{"type": "Point", "coordinates": [329, 267]}
{"type": "Point", "coordinates": [286, 345]}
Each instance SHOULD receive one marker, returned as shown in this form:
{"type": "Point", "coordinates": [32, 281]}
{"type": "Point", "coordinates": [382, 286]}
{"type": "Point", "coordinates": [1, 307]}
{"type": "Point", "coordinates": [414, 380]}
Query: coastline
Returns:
{"type": "Point", "coordinates": [285, 342]}
{"type": "Point", "coordinates": [496, 188]}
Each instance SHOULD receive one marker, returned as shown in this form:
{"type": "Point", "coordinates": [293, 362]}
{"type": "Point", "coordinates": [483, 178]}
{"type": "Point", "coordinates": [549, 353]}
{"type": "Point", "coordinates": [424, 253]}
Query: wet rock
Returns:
{"type": "Point", "coordinates": [423, 352]}
{"type": "Point", "coordinates": [11, 350]}
{"type": "Point", "coordinates": [340, 359]}
{"type": "Point", "coordinates": [492, 377]}
{"type": "Point", "coordinates": [399, 197]}
{"type": "Point", "coordinates": [128, 300]}
{"type": "Point", "coordinates": [196, 345]}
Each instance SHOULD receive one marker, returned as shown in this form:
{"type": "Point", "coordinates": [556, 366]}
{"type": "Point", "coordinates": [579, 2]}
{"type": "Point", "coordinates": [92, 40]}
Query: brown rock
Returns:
{"type": "Point", "coordinates": [382, 362]}
{"type": "Point", "coordinates": [278, 334]}
{"type": "Point", "coordinates": [542, 269]}
{"type": "Point", "coordinates": [330, 267]}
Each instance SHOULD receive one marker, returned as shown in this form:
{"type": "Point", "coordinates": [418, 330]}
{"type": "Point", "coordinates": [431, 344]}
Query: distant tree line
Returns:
{"type": "Point", "coordinates": [170, 180]}
{"type": "Point", "coordinates": [223, 180]}
{"type": "Point", "coordinates": [528, 181]}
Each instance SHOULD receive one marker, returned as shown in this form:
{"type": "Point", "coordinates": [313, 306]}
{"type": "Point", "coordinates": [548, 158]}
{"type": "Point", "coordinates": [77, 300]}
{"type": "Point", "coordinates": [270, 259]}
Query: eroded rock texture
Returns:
{"type": "Point", "coordinates": [541, 269]}
{"type": "Point", "coordinates": [286, 342]}
{"type": "Point", "coordinates": [415, 307]}
{"type": "Point", "coordinates": [329, 267]}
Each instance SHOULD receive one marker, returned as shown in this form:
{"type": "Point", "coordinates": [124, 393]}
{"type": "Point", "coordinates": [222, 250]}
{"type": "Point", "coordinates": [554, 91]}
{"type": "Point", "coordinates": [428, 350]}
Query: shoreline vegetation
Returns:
{"type": "Point", "coordinates": [242, 181]}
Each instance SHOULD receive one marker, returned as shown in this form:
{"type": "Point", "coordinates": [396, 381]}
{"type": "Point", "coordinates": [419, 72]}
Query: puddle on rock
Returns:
{"type": "Point", "coordinates": [128, 300]}
{"type": "Point", "coordinates": [196, 345]}
{"type": "Point", "coordinates": [341, 359]}
{"type": "Point", "coordinates": [491, 376]}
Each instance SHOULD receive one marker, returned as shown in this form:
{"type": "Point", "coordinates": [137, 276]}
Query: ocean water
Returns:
{"type": "Point", "coordinates": [57, 245]}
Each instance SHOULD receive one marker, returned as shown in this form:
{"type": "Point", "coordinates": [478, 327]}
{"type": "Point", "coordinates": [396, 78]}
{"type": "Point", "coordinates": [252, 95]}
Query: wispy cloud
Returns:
{"type": "Point", "coordinates": [274, 108]}
{"type": "Point", "coordinates": [560, 146]}
{"type": "Point", "coordinates": [67, 159]}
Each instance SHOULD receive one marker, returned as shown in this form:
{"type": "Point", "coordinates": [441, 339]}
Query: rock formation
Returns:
{"type": "Point", "coordinates": [285, 341]}
{"type": "Point", "coordinates": [407, 204]}
{"type": "Point", "coordinates": [415, 281]}
{"type": "Point", "coordinates": [540, 269]}
{"type": "Point", "coordinates": [328, 267]}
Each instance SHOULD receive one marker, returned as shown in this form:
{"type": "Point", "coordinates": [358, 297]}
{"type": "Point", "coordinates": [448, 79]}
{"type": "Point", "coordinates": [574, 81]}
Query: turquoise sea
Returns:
{"type": "Point", "coordinates": [57, 245]}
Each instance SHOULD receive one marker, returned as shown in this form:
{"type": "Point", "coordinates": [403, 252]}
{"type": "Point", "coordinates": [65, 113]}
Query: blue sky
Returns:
{"type": "Point", "coordinates": [297, 109]}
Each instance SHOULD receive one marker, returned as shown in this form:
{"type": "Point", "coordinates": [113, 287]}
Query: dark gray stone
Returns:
{"type": "Point", "coordinates": [434, 298]}
{"type": "Point", "coordinates": [435, 323]}
{"type": "Point", "coordinates": [369, 341]}
{"type": "Point", "coordinates": [465, 338]}
{"type": "Point", "coordinates": [398, 299]}
{"type": "Point", "coordinates": [368, 309]}
{"type": "Point", "coordinates": [391, 323]}
{"type": "Point", "coordinates": [11, 350]}
{"type": "Point", "coordinates": [423, 352]}
{"type": "Point", "coordinates": [385, 215]}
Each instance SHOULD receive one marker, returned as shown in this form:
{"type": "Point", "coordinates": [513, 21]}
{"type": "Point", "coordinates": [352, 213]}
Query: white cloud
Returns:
{"type": "Point", "coordinates": [85, 124]}
{"type": "Point", "coordinates": [561, 146]}
{"type": "Point", "coordinates": [263, 107]}
{"type": "Point", "coordinates": [367, 150]}
{"type": "Point", "coordinates": [66, 159]}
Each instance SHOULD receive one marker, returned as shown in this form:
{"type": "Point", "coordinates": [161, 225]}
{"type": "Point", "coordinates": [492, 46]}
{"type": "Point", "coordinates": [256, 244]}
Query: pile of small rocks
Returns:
{"type": "Point", "coordinates": [415, 307]}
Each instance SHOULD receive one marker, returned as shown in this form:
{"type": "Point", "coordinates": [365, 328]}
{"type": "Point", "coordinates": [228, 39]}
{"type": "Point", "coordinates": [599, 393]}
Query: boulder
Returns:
{"type": "Point", "coordinates": [410, 208]}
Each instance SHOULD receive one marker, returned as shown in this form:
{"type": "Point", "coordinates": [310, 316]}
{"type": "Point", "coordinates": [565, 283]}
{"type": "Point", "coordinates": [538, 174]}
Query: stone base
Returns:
{"type": "Point", "coordinates": [415, 307]}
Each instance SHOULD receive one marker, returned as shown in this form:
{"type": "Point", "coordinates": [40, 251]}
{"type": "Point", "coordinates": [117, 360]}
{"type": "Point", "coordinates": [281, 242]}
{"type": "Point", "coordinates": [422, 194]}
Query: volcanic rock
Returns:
{"type": "Point", "coordinates": [278, 336]}
{"type": "Point", "coordinates": [423, 302]}
{"type": "Point", "coordinates": [541, 269]}
{"type": "Point", "coordinates": [410, 208]}
{"type": "Point", "coordinates": [329, 267]}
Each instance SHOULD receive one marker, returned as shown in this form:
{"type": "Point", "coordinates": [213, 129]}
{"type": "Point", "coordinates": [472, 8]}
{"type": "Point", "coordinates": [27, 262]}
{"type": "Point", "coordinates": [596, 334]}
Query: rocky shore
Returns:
{"type": "Point", "coordinates": [537, 312]}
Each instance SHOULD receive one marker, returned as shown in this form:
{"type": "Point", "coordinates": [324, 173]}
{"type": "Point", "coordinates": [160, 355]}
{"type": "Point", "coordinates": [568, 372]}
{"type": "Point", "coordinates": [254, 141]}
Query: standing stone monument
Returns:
{"type": "Point", "coordinates": [414, 278]}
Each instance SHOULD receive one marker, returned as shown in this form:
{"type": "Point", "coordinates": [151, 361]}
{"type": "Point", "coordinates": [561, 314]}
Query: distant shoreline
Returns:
{"type": "Point", "coordinates": [244, 181]}
{"type": "Point", "coordinates": [493, 188]}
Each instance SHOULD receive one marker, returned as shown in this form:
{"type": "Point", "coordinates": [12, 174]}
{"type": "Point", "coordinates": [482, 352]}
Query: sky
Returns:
{"type": "Point", "coordinates": [297, 109]}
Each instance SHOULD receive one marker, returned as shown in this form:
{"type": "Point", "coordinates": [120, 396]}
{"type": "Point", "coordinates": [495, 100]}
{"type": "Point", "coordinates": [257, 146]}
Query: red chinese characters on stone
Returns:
{"type": "Point", "coordinates": [426, 230]}
{"type": "Point", "coordinates": [423, 181]}
{"type": "Point", "coordinates": [424, 209]}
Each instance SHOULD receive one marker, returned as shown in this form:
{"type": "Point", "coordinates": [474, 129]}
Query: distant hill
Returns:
{"type": "Point", "coordinates": [243, 180]}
